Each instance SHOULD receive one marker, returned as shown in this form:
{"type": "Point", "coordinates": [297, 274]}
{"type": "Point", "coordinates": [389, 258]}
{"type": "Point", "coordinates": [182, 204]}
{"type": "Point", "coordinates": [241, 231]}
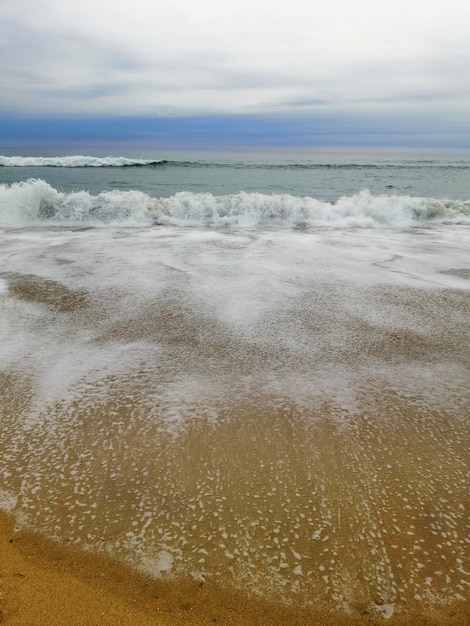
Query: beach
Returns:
{"type": "Point", "coordinates": [236, 424]}
{"type": "Point", "coordinates": [311, 462]}
{"type": "Point", "coordinates": [46, 583]}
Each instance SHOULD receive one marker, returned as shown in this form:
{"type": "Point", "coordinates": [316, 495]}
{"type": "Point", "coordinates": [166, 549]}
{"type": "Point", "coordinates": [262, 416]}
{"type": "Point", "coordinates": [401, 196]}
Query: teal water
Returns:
{"type": "Point", "coordinates": [299, 189]}
{"type": "Point", "coordinates": [321, 174]}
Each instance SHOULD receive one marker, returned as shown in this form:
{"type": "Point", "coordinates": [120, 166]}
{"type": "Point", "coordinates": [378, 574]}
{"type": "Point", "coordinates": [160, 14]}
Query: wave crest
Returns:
{"type": "Point", "coordinates": [35, 202]}
{"type": "Point", "coordinates": [75, 161]}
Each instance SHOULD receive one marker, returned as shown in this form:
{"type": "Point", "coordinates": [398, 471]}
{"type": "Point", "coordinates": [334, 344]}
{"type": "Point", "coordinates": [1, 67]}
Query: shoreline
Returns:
{"type": "Point", "coordinates": [42, 582]}
{"type": "Point", "coordinates": [235, 421]}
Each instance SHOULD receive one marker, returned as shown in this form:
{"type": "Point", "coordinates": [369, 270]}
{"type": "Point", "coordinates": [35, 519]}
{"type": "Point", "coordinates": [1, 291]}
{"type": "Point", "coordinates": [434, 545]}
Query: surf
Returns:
{"type": "Point", "coordinates": [36, 203]}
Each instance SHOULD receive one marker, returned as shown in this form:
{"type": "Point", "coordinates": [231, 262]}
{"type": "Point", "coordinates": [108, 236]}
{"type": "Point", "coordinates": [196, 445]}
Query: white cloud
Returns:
{"type": "Point", "coordinates": [181, 56]}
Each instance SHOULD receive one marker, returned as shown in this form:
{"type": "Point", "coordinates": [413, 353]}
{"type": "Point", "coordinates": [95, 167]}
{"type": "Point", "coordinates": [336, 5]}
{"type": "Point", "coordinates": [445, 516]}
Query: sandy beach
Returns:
{"type": "Point", "coordinates": [45, 583]}
{"type": "Point", "coordinates": [301, 460]}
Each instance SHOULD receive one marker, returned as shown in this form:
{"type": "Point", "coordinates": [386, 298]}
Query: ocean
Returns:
{"type": "Point", "coordinates": [250, 368]}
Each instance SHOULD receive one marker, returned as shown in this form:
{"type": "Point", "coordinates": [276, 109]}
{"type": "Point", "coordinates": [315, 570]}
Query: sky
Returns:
{"type": "Point", "coordinates": [260, 72]}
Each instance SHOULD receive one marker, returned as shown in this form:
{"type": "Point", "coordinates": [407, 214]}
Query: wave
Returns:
{"type": "Point", "coordinates": [76, 161]}
{"type": "Point", "coordinates": [36, 203]}
{"type": "Point", "coordinates": [91, 161]}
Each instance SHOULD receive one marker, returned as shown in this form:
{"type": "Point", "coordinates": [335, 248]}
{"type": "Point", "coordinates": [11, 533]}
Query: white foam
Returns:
{"type": "Point", "coordinates": [362, 210]}
{"type": "Point", "coordinates": [385, 610]}
{"type": "Point", "coordinates": [7, 501]}
{"type": "Point", "coordinates": [35, 202]}
{"type": "Point", "coordinates": [248, 289]}
{"type": "Point", "coordinates": [74, 161]}
{"type": "Point", "coordinates": [162, 564]}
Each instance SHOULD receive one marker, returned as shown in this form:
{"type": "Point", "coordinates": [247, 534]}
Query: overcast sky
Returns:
{"type": "Point", "coordinates": [365, 67]}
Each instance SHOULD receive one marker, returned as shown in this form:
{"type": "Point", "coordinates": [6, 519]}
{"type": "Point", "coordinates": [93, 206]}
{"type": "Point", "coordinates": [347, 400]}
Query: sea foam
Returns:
{"type": "Point", "coordinates": [35, 202]}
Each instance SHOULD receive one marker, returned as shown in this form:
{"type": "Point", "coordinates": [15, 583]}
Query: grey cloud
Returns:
{"type": "Point", "coordinates": [60, 66]}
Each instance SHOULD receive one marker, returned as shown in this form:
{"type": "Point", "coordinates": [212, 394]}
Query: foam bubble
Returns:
{"type": "Point", "coordinates": [8, 501]}
{"type": "Point", "coordinates": [385, 610]}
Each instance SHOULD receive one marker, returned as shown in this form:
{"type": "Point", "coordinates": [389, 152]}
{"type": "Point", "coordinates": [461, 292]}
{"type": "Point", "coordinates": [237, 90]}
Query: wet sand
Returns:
{"type": "Point", "coordinates": [303, 460]}
{"type": "Point", "coordinates": [346, 523]}
{"type": "Point", "coordinates": [43, 583]}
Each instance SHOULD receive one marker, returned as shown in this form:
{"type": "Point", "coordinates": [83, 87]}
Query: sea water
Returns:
{"type": "Point", "coordinates": [248, 368]}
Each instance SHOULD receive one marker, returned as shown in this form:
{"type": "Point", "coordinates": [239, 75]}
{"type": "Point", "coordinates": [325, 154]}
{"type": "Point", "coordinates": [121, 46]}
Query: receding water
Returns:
{"type": "Point", "coordinates": [280, 409]}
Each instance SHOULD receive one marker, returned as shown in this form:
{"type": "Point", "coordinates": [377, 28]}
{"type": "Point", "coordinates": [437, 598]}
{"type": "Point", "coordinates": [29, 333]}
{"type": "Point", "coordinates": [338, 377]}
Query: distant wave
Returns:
{"type": "Point", "coordinates": [91, 161]}
{"type": "Point", "coordinates": [36, 203]}
{"type": "Point", "coordinates": [75, 161]}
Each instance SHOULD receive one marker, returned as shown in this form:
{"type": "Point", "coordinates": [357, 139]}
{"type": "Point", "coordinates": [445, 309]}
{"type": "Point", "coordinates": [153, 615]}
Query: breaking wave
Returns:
{"type": "Point", "coordinates": [75, 161]}
{"type": "Point", "coordinates": [36, 203]}
{"type": "Point", "coordinates": [109, 161]}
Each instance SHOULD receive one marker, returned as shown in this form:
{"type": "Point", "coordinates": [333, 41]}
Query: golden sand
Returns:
{"type": "Point", "coordinates": [343, 522]}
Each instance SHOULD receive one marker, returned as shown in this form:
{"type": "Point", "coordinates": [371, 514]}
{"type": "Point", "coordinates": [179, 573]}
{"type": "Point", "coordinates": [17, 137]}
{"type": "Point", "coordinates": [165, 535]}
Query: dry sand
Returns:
{"type": "Point", "coordinates": [45, 583]}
